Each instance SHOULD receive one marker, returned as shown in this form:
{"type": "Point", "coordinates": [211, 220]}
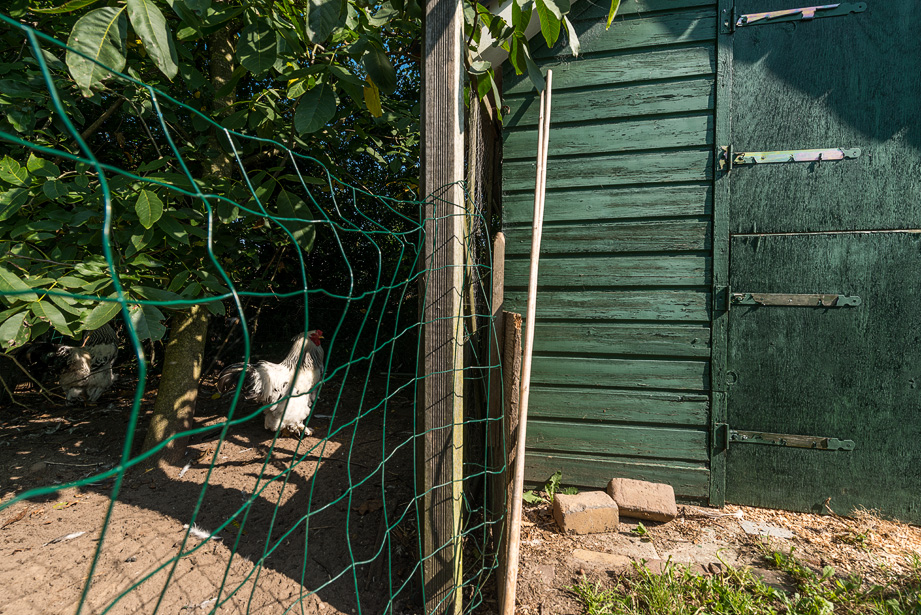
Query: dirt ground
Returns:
{"type": "Point", "coordinates": [48, 542]}
{"type": "Point", "coordinates": [705, 539]}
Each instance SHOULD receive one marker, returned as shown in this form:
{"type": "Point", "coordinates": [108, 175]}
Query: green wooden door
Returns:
{"type": "Point", "coordinates": [840, 227]}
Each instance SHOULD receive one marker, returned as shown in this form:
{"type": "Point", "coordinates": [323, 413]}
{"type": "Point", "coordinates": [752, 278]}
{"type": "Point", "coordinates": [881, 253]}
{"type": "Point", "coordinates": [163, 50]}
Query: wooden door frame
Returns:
{"type": "Point", "coordinates": [719, 306]}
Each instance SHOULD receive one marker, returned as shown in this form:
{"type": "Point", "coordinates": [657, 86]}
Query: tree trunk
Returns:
{"type": "Point", "coordinates": [182, 363]}
{"type": "Point", "coordinates": [174, 407]}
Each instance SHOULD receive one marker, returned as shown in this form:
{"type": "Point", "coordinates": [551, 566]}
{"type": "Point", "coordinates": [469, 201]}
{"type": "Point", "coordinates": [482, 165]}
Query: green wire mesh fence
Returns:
{"type": "Point", "coordinates": [249, 520]}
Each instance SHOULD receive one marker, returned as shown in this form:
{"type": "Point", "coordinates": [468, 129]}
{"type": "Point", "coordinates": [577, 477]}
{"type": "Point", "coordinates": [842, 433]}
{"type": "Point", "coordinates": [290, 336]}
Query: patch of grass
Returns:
{"type": "Point", "coordinates": [594, 598]}
{"type": "Point", "coordinates": [735, 591]}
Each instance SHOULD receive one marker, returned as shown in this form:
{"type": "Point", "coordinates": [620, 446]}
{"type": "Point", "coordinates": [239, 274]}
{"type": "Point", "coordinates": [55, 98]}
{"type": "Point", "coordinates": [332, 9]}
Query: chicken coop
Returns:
{"type": "Point", "coordinates": [729, 277]}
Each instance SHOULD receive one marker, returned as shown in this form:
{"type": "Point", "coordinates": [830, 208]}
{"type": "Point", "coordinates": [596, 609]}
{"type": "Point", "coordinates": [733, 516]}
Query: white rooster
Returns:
{"type": "Point", "coordinates": [83, 372]}
{"type": "Point", "coordinates": [290, 386]}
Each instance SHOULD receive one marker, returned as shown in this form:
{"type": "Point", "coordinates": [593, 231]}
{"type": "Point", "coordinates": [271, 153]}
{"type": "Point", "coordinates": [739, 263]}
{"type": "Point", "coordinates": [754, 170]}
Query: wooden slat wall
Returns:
{"type": "Point", "coordinates": [620, 380]}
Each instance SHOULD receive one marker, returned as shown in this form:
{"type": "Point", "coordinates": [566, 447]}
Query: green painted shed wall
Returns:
{"type": "Point", "coordinates": [621, 373]}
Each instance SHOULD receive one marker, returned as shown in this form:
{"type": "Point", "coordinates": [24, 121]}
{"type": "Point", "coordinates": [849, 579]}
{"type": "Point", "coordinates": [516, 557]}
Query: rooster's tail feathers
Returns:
{"type": "Point", "coordinates": [229, 377]}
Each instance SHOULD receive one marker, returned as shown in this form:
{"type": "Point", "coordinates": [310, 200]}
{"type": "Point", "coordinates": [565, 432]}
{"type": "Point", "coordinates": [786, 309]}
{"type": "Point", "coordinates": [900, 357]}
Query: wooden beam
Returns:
{"type": "Point", "coordinates": [511, 384]}
{"type": "Point", "coordinates": [441, 411]}
{"type": "Point", "coordinates": [496, 448]}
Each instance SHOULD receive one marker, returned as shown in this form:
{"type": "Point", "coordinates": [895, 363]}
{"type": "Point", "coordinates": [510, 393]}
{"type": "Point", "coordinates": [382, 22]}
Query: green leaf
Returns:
{"type": "Point", "coordinates": [217, 308]}
{"type": "Point", "coordinates": [612, 13]}
{"type": "Point", "coordinates": [380, 69]}
{"type": "Point", "coordinates": [156, 294]}
{"type": "Point", "coordinates": [149, 208]}
{"type": "Point", "coordinates": [101, 314]}
{"type": "Point", "coordinates": [574, 43]}
{"type": "Point", "coordinates": [10, 282]}
{"type": "Point", "coordinates": [532, 498]}
{"type": "Point", "coordinates": [12, 172]}
{"type": "Point", "coordinates": [67, 304]}
{"type": "Point", "coordinates": [199, 6]}
{"type": "Point", "coordinates": [11, 201]}
{"type": "Point", "coordinates": [147, 321]}
{"type": "Point", "coordinates": [316, 108]}
{"type": "Point", "coordinates": [151, 27]}
{"type": "Point", "coordinates": [67, 7]}
{"type": "Point", "coordinates": [521, 14]}
{"type": "Point", "coordinates": [534, 73]}
{"type": "Point", "coordinates": [323, 16]}
{"type": "Point", "coordinates": [54, 189]}
{"type": "Point", "coordinates": [41, 167]}
{"type": "Point", "coordinates": [292, 206]}
{"type": "Point", "coordinates": [173, 229]}
{"type": "Point", "coordinates": [45, 310]}
{"type": "Point", "coordinates": [69, 281]}
{"type": "Point", "coordinates": [14, 332]}
{"type": "Point", "coordinates": [373, 99]}
{"type": "Point", "coordinates": [550, 20]}
{"type": "Point", "coordinates": [100, 35]}
{"type": "Point", "coordinates": [256, 47]}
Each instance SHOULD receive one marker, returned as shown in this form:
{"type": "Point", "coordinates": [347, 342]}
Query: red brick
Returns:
{"type": "Point", "coordinates": [590, 512]}
{"type": "Point", "coordinates": [642, 500]}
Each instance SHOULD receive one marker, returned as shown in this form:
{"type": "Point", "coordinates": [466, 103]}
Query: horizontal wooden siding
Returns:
{"type": "Point", "coordinates": [620, 377]}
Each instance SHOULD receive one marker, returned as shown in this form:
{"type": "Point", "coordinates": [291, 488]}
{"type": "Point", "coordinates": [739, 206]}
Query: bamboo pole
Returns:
{"type": "Point", "coordinates": [514, 542]}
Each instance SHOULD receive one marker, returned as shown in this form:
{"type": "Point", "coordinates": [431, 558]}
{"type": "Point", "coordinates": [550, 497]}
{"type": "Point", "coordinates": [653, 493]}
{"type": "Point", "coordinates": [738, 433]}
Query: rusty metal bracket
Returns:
{"type": "Point", "coordinates": [824, 300]}
{"type": "Point", "coordinates": [729, 159]}
{"type": "Point", "coordinates": [790, 440]}
{"type": "Point", "coordinates": [802, 14]}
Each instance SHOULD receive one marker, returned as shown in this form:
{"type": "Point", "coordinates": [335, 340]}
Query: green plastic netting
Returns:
{"type": "Point", "coordinates": [249, 520]}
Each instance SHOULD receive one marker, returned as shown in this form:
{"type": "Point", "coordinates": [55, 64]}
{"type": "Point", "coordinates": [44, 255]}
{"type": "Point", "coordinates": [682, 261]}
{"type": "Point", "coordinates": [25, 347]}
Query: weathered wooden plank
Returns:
{"type": "Point", "coordinates": [622, 373]}
{"type": "Point", "coordinates": [615, 102]}
{"type": "Point", "coordinates": [641, 65]}
{"type": "Point", "coordinates": [613, 170]}
{"type": "Point", "coordinates": [657, 270]}
{"type": "Point", "coordinates": [620, 136]}
{"type": "Point", "coordinates": [674, 305]}
{"type": "Point", "coordinates": [627, 440]}
{"type": "Point", "coordinates": [594, 472]}
{"type": "Point", "coordinates": [612, 237]}
{"type": "Point", "coordinates": [592, 11]}
{"type": "Point", "coordinates": [511, 387]}
{"type": "Point", "coordinates": [440, 414]}
{"type": "Point", "coordinates": [614, 406]}
{"type": "Point", "coordinates": [623, 338]}
{"type": "Point", "coordinates": [646, 31]}
{"type": "Point", "coordinates": [614, 202]}
{"type": "Point", "coordinates": [497, 477]}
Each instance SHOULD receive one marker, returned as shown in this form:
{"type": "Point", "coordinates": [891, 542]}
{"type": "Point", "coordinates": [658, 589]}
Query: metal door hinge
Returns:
{"type": "Point", "coordinates": [730, 22]}
{"type": "Point", "coordinates": [824, 300]}
{"type": "Point", "coordinates": [791, 440]}
{"type": "Point", "coordinates": [722, 436]}
{"type": "Point", "coordinates": [729, 159]}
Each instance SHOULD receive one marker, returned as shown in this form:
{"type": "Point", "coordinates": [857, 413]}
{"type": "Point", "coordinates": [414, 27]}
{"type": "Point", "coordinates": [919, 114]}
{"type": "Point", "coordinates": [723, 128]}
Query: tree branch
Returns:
{"type": "Point", "coordinates": [86, 134]}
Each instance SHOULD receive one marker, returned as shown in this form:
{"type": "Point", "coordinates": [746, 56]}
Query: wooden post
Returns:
{"type": "Point", "coordinates": [440, 411]}
{"type": "Point", "coordinates": [511, 383]}
{"type": "Point", "coordinates": [496, 485]}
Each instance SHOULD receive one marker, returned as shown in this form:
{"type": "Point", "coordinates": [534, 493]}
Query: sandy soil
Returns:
{"type": "Point", "coordinates": [257, 562]}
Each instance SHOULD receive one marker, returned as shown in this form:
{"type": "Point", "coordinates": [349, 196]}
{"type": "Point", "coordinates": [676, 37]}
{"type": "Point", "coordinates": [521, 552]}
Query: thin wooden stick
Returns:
{"type": "Point", "coordinates": [514, 535]}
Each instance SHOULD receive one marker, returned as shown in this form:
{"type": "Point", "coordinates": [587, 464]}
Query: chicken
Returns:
{"type": "Point", "coordinates": [83, 372]}
{"type": "Point", "coordinates": [290, 386]}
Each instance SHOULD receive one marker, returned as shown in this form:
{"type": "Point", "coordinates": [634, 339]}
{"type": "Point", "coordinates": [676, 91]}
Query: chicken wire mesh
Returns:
{"type": "Point", "coordinates": [308, 523]}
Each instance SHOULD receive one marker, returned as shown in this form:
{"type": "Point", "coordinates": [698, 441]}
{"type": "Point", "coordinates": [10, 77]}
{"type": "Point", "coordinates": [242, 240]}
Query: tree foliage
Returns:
{"type": "Point", "coordinates": [334, 79]}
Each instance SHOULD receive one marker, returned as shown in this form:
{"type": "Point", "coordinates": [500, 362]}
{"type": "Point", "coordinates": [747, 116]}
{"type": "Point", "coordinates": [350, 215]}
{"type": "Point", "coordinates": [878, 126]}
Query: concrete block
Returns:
{"type": "Point", "coordinates": [643, 500]}
{"type": "Point", "coordinates": [591, 512]}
